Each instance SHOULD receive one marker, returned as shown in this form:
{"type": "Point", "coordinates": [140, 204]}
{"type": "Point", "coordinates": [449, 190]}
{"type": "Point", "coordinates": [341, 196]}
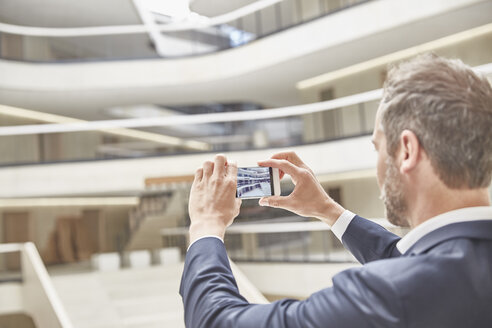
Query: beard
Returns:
{"type": "Point", "coordinates": [393, 195]}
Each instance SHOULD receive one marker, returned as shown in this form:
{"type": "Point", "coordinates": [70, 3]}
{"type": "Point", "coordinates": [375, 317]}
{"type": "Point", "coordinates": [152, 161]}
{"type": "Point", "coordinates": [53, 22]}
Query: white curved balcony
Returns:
{"type": "Point", "coordinates": [281, 60]}
{"type": "Point", "coordinates": [348, 153]}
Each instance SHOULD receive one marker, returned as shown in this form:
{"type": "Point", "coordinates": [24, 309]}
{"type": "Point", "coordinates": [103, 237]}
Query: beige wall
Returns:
{"type": "Point", "coordinates": [18, 148]}
{"type": "Point", "coordinates": [474, 52]}
{"type": "Point", "coordinates": [360, 196]}
{"type": "Point", "coordinates": [47, 147]}
{"type": "Point", "coordinates": [43, 220]}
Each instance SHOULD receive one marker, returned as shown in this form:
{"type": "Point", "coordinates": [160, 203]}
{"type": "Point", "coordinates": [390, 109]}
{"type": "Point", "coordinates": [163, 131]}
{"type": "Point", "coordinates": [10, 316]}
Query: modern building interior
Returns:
{"type": "Point", "coordinates": [108, 107]}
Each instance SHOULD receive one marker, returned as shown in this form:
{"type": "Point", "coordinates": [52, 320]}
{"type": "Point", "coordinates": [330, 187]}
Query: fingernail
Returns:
{"type": "Point", "coordinates": [263, 202]}
{"type": "Point", "coordinates": [232, 162]}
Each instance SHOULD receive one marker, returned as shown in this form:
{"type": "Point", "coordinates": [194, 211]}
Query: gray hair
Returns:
{"type": "Point", "coordinates": [449, 108]}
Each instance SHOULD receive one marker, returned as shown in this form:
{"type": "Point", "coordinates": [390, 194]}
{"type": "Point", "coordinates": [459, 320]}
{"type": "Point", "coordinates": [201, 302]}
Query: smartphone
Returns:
{"type": "Point", "coordinates": [257, 182]}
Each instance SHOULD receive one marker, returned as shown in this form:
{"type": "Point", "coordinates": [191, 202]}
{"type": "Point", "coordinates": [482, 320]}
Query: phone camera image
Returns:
{"type": "Point", "coordinates": [254, 182]}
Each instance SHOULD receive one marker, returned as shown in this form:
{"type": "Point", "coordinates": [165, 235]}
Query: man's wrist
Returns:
{"type": "Point", "coordinates": [330, 212]}
{"type": "Point", "coordinates": [206, 228]}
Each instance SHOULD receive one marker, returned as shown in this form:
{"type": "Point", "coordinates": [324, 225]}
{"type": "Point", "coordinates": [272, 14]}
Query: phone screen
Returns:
{"type": "Point", "coordinates": [254, 182]}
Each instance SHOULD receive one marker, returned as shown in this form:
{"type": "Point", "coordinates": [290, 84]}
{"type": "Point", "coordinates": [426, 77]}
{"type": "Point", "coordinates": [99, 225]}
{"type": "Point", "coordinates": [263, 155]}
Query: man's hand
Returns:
{"type": "Point", "coordinates": [213, 204]}
{"type": "Point", "coordinates": [308, 197]}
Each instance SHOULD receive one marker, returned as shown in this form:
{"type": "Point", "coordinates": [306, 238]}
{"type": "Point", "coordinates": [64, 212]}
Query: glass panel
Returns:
{"type": "Point", "coordinates": [346, 122]}
{"type": "Point", "coordinates": [10, 269]}
{"type": "Point", "coordinates": [311, 9]}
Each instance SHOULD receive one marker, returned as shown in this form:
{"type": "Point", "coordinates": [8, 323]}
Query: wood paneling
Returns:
{"type": "Point", "coordinates": [165, 180]}
{"type": "Point", "coordinates": [16, 229]}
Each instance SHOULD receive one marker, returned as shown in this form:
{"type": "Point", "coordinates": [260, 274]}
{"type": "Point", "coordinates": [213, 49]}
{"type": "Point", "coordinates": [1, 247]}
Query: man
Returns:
{"type": "Point", "coordinates": [433, 135]}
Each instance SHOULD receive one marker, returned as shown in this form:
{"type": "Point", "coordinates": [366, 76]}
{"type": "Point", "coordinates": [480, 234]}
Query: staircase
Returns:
{"type": "Point", "coordinates": [131, 298]}
{"type": "Point", "coordinates": [128, 298]}
{"type": "Point", "coordinates": [155, 213]}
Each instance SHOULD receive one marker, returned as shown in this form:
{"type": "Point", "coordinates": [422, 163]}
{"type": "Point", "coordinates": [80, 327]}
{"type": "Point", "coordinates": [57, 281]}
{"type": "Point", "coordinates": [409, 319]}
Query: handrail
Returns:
{"type": "Point", "coordinates": [136, 29]}
{"type": "Point", "coordinates": [193, 119]}
{"type": "Point", "coordinates": [301, 241]}
{"type": "Point", "coordinates": [10, 248]}
{"type": "Point", "coordinates": [290, 227]}
{"type": "Point", "coordinates": [37, 288]}
{"type": "Point", "coordinates": [31, 258]}
{"type": "Point", "coordinates": [246, 287]}
{"type": "Point", "coordinates": [140, 135]}
{"type": "Point", "coordinates": [276, 227]}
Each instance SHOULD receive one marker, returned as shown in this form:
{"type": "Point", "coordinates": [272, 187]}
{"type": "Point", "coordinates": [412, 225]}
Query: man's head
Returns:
{"type": "Point", "coordinates": [441, 110]}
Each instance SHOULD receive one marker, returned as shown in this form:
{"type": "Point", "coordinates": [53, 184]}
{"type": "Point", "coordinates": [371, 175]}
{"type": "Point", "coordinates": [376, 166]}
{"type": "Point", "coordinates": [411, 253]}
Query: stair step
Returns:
{"type": "Point", "coordinates": [174, 320]}
{"type": "Point", "coordinates": [145, 298]}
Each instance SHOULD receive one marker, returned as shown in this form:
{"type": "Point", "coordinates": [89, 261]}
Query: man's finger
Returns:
{"type": "Point", "coordinates": [280, 172]}
{"type": "Point", "coordinates": [283, 155]}
{"type": "Point", "coordinates": [281, 164]}
{"type": "Point", "coordinates": [275, 201]}
{"type": "Point", "coordinates": [199, 174]}
{"type": "Point", "coordinates": [232, 169]}
{"type": "Point", "coordinates": [220, 165]}
{"type": "Point", "coordinates": [208, 168]}
{"type": "Point", "coordinates": [290, 156]}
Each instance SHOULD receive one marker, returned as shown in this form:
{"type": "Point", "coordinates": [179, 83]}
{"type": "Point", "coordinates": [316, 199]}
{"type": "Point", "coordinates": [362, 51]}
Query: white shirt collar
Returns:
{"type": "Point", "coordinates": [478, 213]}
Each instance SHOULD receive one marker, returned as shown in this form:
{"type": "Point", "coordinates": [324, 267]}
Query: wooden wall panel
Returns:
{"type": "Point", "coordinates": [17, 228]}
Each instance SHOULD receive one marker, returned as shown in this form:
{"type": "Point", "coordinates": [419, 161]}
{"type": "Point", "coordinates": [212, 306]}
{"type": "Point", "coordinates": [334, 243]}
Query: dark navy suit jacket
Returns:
{"type": "Point", "coordinates": [443, 280]}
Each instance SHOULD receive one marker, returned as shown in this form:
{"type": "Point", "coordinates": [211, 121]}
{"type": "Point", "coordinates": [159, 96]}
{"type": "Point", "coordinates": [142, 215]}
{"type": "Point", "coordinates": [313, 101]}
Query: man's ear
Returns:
{"type": "Point", "coordinates": [410, 149]}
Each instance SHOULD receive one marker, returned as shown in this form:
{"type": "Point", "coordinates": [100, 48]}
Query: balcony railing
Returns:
{"type": "Point", "coordinates": [64, 139]}
{"type": "Point", "coordinates": [159, 38]}
{"type": "Point", "coordinates": [77, 140]}
{"type": "Point", "coordinates": [287, 239]}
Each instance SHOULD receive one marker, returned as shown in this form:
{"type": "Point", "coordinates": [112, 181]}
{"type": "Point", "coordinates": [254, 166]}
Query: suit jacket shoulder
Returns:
{"type": "Point", "coordinates": [445, 280]}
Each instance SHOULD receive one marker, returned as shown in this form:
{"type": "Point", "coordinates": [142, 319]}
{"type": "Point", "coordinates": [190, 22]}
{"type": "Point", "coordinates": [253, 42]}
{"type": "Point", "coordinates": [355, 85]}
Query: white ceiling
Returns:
{"type": "Point", "coordinates": [68, 13]}
{"type": "Point", "coordinates": [72, 13]}
{"type": "Point", "coordinates": [271, 85]}
{"type": "Point", "coordinates": [212, 8]}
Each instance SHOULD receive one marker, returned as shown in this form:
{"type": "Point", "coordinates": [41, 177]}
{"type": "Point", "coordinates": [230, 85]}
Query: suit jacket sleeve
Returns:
{"type": "Point", "coordinates": [368, 241]}
{"type": "Point", "coordinates": [359, 298]}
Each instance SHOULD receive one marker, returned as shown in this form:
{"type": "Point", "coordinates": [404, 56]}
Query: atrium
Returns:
{"type": "Point", "coordinates": [107, 108]}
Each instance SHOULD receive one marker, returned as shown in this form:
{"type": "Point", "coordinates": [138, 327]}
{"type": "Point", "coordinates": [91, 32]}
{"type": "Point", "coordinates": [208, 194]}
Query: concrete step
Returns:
{"type": "Point", "coordinates": [144, 297]}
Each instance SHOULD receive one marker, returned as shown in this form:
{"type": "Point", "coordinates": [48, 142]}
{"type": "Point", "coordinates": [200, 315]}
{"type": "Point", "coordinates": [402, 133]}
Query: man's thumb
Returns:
{"type": "Point", "coordinates": [273, 201]}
